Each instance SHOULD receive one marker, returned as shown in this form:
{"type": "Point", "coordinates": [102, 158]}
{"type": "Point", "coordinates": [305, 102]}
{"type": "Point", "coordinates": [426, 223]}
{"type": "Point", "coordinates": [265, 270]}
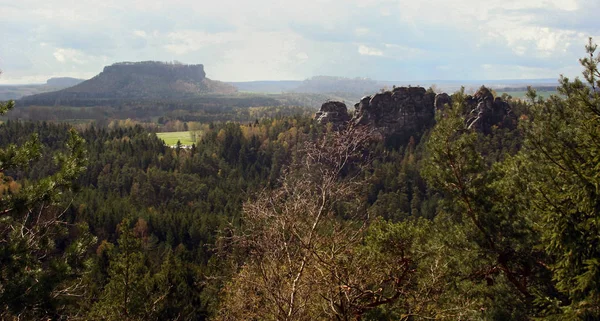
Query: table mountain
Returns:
{"type": "Point", "coordinates": [147, 80]}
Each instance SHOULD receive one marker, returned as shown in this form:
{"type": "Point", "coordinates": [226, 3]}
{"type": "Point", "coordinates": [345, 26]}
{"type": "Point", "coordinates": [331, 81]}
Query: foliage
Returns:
{"type": "Point", "coordinates": [41, 252]}
{"type": "Point", "coordinates": [281, 218]}
{"type": "Point", "coordinates": [558, 165]}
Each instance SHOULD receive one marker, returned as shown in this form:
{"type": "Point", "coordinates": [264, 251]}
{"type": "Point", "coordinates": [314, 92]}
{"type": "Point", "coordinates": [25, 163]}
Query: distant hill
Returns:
{"type": "Point", "coordinates": [314, 85]}
{"type": "Point", "coordinates": [148, 80]}
{"type": "Point", "coordinates": [267, 86]}
{"type": "Point", "coordinates": [329, 84]}
{"type": "Point", "coordinates": [63, 82]}
{"type": "Point", "coordinates": [362, 86]}
{"type": "Point", "coordinates": [8, 92]}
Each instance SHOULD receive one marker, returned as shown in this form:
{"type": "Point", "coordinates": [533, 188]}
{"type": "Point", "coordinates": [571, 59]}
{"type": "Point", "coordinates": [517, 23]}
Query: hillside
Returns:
{"type": "Point", "coordinates": [8, 92]}
{"type": "Point", "coordinates": [329, 84]}
{"type": "Point", "coordinates": [267, 86]}
{"type": "Point", "coordinates": [146, 80]}
{"type": "Point", "coordinates": [64, 81]}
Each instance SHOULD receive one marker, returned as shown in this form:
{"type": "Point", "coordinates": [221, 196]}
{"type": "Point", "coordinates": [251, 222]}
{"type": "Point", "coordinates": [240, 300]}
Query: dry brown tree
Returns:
{"type": "Point", "coordinates": [302, 242]}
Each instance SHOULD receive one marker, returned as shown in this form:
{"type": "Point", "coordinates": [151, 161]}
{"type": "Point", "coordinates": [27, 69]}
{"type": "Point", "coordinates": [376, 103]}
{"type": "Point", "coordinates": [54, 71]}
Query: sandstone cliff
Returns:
{"type": "Point", "coordinates": [409, 111]}
{"type": "Point", "coordinates": [396, 114]}
{"type": "Point", "coordinates": [487, 111]}
{"type": "Point", "coordinates": [334, 112]}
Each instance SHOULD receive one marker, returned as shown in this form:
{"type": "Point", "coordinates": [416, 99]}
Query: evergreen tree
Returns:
{"type": "Point", "coordinates": [41, 253]}
{"type": "Point", "coordinates": [128, 292]}
{"type": "Point", "coordinates": [555, 177]}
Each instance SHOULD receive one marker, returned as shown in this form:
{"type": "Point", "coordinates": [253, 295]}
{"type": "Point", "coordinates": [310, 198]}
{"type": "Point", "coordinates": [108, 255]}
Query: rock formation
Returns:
{"type": "Point", "coordinates": [485, 112]}
{"type": "Point", "coordinates": [147, 80]}
{"type": "Point", "coordinates": [165, 71]}
{"type": "Point", "coordinates": [334, 112]}
{"type": "Point", "coordinates": [408, 111]}
{"type": "Point", "coordinates": [403, 111]}
{"type": "Point", "coordinates": [441, 100]}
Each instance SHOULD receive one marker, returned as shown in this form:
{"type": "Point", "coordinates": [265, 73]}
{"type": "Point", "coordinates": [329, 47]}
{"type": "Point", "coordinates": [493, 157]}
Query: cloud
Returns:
{"type": "Point", "coordinates": [361, 31]}
{"type": "Point", "coordinates": [183, 42]}
{"type": "Point", "coordinates": [140, 33]}
{"type": "Point", "coordinates": [266, 39]}
{"type": "Point", "coordinates": [368, 51]}
{"type": "Point", "coordinates": [67, 55]}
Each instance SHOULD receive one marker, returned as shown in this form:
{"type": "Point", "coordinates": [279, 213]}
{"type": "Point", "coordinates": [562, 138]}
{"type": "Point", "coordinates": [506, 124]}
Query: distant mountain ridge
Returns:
{"type": "Point", "coordinates": [63, 81]}
{"type": "Point", "coordinates": [363, 86]}
{"type": "Point", "coordinates": [146, 80]}
{"type": "Point", "coordinates": [330, 84]}
{"type": "Point", "coordinates": [8, 92]}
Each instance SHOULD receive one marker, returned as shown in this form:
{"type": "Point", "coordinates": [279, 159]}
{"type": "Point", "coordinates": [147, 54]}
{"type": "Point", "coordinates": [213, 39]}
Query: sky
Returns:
{"type": "Point", "coordinates": [243, 40]}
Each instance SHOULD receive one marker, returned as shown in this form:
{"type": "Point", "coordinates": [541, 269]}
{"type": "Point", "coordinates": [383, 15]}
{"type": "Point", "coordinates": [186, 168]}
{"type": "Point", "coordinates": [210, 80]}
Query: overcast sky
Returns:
{"type": "Point", "coordinates": [240, 40]}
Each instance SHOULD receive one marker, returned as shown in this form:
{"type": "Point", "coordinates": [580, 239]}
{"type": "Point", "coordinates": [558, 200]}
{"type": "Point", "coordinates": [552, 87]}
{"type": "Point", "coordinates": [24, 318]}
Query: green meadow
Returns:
{"type": "Point", "coordinates": [171, 138]}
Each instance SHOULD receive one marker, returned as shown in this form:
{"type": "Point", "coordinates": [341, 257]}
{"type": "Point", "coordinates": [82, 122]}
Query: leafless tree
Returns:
{"type": "Point", "coordinates": [303, 242]}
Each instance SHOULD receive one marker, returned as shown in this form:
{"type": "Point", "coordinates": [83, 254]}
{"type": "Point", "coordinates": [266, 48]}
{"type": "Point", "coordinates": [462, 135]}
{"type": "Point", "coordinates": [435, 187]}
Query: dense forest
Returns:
{"type": "Point", "coordinates": [286, 219]}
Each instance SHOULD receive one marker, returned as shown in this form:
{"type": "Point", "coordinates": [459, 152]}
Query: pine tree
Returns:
{"type": "Point", "coordinates": [477, 204]}
{"type": "Point", "coordinates": [128, 292]}
{"type": "Point", "coordinates": [41, 259]}
{"type": "Point", "coordinates": [557, 174]}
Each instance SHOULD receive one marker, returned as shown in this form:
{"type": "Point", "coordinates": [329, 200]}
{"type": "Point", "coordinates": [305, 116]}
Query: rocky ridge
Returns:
{"type": "Point", "coordinates": [487, 111]}
{"type": "Point", "coordinates": [408, 111]}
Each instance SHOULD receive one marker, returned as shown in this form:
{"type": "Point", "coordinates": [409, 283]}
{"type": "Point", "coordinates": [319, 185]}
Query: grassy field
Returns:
{"type": "Point", "coordinates": [171, 138]}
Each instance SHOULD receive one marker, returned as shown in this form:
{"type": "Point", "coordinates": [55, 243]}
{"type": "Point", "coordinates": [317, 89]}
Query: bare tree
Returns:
{"type": "Point", "coordinates": [303, 242]}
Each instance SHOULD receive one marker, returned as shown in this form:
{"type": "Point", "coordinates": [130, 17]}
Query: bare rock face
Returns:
{"type": "Point", "coordinates": [402, 110]}
{"type": "Point", "coordinates": [400, 113]}
{"type": "Point", "coordinates": [334, 112]}
{"type": "Point", "coordinates": [408, 111]}
{"type": "Point", "coordinates": [485, 112]}
{"type": "Point", "coordinates": [441, 100]}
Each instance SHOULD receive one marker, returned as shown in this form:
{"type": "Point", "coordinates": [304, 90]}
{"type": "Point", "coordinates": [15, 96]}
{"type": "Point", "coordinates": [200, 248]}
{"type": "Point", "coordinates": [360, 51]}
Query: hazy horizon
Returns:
{"type": "Point", "coordinates": [432, 81]}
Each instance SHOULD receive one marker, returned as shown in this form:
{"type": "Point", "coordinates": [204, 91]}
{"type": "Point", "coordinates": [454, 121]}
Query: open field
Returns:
{"type": "Point", "coordinates": [171, 138]}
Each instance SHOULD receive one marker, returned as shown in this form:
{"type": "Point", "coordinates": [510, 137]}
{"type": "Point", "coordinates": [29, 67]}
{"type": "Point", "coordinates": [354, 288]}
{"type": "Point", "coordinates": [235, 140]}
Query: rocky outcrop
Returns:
{"type": "Point", "coordinates": [334, 112]}
{"type": "Point", "coordinates": [487, 111]}
{"type": "Point", "coordinates": [408, 111]}
{"type": "Point", "coordinates": [442, 100]}
{"type": "Point", "coordinates": [403, 111]}
{"type": "Point", "coordinates": [165, 71]}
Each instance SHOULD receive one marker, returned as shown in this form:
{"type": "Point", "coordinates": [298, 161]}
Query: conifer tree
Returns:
{"type": "Point", "coordinates": [41, 258]}
{"type": "Point", "coordinates": [128, 292]}
{"type": "Point", "coordinates": [556, 174]}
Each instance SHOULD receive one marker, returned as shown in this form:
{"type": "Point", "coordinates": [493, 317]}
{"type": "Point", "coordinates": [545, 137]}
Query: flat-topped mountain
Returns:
{"type": "Point", "coordinates": [145, 80]}
{"type": "Point", "coordinates": [63, 81]}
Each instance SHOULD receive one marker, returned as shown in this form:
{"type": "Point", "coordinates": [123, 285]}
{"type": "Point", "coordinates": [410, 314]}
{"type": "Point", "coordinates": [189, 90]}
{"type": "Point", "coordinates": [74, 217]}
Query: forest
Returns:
{"type": "Point", "coordinates": [282, 218]}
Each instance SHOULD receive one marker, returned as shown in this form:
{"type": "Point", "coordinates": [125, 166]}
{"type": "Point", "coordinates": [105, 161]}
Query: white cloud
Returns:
{"type": "Point", "coordinates": [67, 55]}
{"type": "Point", "coordinates": [182, 42]}
{"type": "Point", "coordinates": [140, 33]}
{"type": "Point", "coordinates": [361, 31]}
{"type": "Point", "coordinates": [567, 5]}
{"type": "Point", "coordinates": [368, 51]}
{"type": "Point", "coordinates": [512, 22]}
{"type": "Point", "coordinates": [403, 52]}
{"type": "Point", "coordinates": [302, 56]}
{"type": "Point", "coordinates": [266, 39]}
